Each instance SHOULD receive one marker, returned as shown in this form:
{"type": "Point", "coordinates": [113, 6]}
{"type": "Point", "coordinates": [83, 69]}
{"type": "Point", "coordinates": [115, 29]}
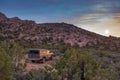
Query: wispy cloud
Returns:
{"type": "Point", "coordinates": [103, 16]}
{"type": "Point", "coordinates": [99, 23]}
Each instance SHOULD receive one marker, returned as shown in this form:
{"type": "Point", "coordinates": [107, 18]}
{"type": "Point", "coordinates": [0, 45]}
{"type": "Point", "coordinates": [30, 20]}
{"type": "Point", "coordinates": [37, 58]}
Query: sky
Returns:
{"type": "Point", "coordinates": [99, 16]}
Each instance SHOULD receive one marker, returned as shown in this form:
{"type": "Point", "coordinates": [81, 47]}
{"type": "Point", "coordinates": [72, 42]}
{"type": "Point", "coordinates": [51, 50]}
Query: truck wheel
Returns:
{"type": "Point", "coordinates": [43, 60]}
{"type": "Point", "coordinates": [32, 61]}
{"type": "Point", "coordinates": [51, 58]}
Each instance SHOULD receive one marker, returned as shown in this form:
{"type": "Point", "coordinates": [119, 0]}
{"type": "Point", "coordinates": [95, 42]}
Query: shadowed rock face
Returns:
{"type": "Point", "coordinates": [3, 17]}
{"type": "Point", "coordinates": [50, 33]}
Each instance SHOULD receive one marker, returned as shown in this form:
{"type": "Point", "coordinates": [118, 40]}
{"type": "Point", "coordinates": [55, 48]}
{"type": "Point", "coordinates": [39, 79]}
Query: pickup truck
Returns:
{"type": "Point", "coordinates": [37, 55]}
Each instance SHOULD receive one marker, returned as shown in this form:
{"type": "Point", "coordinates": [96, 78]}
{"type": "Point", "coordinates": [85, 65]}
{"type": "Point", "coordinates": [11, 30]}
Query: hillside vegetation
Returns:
{"type": "Point", "coordinates": [76, 64]}
{"type": "Point", "coordinates": [27, 31]}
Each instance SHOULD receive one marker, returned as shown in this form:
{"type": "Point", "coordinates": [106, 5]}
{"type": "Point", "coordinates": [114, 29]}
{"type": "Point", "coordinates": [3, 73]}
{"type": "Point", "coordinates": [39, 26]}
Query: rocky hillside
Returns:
{"type": "Point", "coordinates": [15, 29]}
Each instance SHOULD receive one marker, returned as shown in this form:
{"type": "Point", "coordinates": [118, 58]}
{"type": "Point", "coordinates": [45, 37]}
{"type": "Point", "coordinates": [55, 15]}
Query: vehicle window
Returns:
{"type": "Point", "coordinates": [34, 51]}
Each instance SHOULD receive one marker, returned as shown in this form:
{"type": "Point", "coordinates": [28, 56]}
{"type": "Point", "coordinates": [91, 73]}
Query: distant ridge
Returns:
{"type": "Point", "coordinates": [15, 29]}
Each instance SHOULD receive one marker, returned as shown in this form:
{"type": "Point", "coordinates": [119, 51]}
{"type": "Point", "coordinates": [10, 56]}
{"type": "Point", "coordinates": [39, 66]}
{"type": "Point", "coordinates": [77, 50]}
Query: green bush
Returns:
{"type": "Point", "coordinates": [78, 64]}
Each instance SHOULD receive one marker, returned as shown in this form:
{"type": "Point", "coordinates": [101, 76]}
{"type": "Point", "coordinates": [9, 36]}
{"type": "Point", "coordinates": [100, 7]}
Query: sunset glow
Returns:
{"type": "Point", "coordinates": [107, 32]}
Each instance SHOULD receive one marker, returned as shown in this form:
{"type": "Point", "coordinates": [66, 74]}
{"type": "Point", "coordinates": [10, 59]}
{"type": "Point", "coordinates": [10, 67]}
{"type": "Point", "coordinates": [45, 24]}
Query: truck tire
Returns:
{"type": "Point", "coordinates": [32, 61]}
{"type": "Point", "coordinates": [43, 60]}
{"type": "Point", "coordinates": [51, 58]}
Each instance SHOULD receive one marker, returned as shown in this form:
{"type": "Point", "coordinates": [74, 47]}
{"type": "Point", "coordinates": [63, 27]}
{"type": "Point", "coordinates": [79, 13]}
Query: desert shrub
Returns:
{"type": "Point", "coordinates": [38, 75]}
{"type": "Point", "coordinates": [6, 64]}
{"type": "Point", "coordinates": [78, 64]}
{"type": "Point", "coordinates": [11, 57]}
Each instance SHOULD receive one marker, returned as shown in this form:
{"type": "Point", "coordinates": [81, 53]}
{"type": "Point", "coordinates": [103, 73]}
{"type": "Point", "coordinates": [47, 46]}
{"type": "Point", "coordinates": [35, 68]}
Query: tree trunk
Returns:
{"type": "Point", "coordinates": [82, 76]}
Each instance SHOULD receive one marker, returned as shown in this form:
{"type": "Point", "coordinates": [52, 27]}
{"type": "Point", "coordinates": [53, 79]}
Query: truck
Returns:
{"type": "Point", "coordinates": [37, 55]}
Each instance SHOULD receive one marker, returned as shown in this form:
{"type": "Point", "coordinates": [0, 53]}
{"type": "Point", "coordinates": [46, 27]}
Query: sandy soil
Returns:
{"type": "Point", "coordinates": [36, 66]}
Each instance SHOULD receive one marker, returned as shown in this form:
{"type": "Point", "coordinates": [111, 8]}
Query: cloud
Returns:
{"type": "Point", "coordinates": [101, 16]}
{"type": "Point", "coordinates": [94, 17]}
{"type": "Point", "coordinates": [100, 23]}
{"type": "Point", "coordinates": [102, 7]}
{"type": "Point", "coordinates": [110, 6]}
{"type": "Point", "coordinates": [99, 11]}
